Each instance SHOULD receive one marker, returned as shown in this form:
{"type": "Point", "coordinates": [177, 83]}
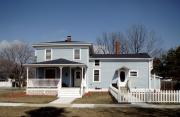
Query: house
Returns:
{"type": "Point", "coordinates": [70, 68]}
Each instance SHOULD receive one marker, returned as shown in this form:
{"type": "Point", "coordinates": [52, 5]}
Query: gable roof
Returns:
{"type": "Point", "coordinates": [139, 55]}
{"type": "Point", "coordinates": [61, 61]}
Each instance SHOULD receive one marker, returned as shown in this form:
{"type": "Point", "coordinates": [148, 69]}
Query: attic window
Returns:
{"type": "Point", "coordinates": [48, 54]}
{"type": "Point", "coordinates": [96, 62]}
{"type": "Point", "coordinates": [133, 73]}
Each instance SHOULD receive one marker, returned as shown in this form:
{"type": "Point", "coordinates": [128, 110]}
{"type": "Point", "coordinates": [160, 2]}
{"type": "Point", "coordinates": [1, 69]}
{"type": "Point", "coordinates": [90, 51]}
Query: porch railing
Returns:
{"type": "Point", "coordinates": [49, 83]}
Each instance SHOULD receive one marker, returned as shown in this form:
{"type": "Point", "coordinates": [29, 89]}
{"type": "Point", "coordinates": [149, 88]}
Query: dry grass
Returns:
{"type": "Point", "coordinates": [19, 96]}
{"type": "Point", "coordinates": [86, 112]}
{"type": "Point", "coordinates": [96, 98]}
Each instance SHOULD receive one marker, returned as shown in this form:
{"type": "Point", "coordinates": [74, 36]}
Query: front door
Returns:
{"type": "Point", "coordinates": [122, 76]}
{"type": "Point", "coordinates": [77, 78]}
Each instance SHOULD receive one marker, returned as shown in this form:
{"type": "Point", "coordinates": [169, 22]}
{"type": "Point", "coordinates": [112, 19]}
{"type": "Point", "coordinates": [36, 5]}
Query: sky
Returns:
{"type": "Point", "coordinates": [35, 21]}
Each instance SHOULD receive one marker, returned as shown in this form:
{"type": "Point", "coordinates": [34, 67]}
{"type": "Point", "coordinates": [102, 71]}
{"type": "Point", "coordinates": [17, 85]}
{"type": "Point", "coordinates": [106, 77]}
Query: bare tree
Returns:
{"type": "Point", "coordinates": [15, 56]}
{"type": "Point", "coordinates": [137, 35]}
{"type": "Point", "coordinates": [106, 43]}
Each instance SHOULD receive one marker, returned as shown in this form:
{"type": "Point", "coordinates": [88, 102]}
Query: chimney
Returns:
{"type": "Point", "coordinates": [117, 47]}
{"type": "Point", "coordinates": [68, 39]}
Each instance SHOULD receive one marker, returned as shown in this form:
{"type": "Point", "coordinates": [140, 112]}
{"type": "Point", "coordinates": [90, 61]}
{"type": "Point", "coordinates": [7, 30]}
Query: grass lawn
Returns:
{"type": "Point", "coordinates": [19, 95]}
{"type": "Point", "coordinates": [86, 112]}
{"type": "Point", "coordinates": [96, 98]}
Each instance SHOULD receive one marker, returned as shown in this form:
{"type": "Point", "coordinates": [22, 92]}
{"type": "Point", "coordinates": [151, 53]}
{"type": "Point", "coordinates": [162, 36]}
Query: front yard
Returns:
{"type": "Point", "coordinates": [86, 112]}
{"type": "Point", "coordinates": [19, 95]}
{"type": "Point", "coordinates": [96, 98]}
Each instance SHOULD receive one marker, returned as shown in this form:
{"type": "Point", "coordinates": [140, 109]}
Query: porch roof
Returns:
{"type": "Point", "coordinates": [56, 62]}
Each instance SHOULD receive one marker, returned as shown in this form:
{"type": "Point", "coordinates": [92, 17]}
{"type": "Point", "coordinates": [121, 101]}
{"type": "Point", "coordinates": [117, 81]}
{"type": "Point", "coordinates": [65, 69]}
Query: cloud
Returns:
{"type": "Point", "coordinates": [5, 43]}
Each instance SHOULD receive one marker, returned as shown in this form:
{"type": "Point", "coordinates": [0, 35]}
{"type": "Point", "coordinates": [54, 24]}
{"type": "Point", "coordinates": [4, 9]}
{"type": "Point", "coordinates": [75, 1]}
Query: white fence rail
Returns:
{"type": "Point", "coordinates": [42, 83]}
{"type": "Point", "coordinates": [150, 96]}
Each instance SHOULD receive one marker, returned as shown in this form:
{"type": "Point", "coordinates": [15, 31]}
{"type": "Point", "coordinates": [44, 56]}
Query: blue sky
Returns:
{"type": "Point", "coordinates": [48, 20]}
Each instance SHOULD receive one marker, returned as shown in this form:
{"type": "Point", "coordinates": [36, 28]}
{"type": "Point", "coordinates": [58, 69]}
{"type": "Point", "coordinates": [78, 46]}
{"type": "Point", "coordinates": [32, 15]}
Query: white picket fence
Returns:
{"type": "Point", "coordinates": [146, 95]}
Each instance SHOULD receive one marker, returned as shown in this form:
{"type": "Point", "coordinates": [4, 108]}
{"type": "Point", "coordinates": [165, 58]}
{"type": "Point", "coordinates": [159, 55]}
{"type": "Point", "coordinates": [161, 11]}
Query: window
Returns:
{"type": "Point", "coordinates": [96, 75]}
{"type": "Point", "coordinates": [48, 54]}
{"type": "Point", "coordinates": [50, 73]}
{"type": "Point", "coordinates": [78, 75]}
{"type": "Point", "coordinates": [96, 62]}
{"type": "Point", "coordinates": [133, 74]}
{"type": "Point", "coordinates": [76, 53]}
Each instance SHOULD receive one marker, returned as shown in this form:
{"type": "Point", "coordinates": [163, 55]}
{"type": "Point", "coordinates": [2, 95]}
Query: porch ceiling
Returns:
{"type": "Point", "coordinates": [56, 62]}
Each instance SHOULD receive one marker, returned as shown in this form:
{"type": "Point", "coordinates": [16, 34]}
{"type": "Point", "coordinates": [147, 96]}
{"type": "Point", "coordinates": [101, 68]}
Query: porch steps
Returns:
{"type": "Point", "coordinates": [69, 92]}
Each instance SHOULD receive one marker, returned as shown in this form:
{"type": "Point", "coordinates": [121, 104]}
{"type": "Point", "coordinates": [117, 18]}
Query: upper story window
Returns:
{"type": "Point", "coordinates": [48, 54]}
{"type": "Point", "coordinates": [97, 63]}
{"type": "Point", "coordinates": [133, 73]}
{"type": "Point", "coordinates": [77, 54]}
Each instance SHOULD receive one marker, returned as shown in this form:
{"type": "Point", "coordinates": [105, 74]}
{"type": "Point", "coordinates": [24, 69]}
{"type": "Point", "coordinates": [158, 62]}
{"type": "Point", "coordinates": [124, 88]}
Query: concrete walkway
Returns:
{"type": "Point", "coordinates": [89, 105]}
{"type": "Point", "coordinates": [63, 100]}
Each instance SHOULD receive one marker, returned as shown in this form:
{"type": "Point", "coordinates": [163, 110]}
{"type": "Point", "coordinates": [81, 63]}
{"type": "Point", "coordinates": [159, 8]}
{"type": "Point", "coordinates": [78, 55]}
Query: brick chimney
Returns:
{"type": "Point", "coordinates": [68, 39]}
{"type": "Point", "coordinates": [117, 47]}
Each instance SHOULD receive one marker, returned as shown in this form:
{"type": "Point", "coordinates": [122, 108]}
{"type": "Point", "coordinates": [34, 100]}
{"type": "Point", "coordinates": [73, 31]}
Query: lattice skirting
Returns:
{"type": "Point", "coordinates": [41, 91]}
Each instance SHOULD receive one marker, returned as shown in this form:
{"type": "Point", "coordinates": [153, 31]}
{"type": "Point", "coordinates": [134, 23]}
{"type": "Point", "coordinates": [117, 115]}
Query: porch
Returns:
{"type": "Point", "coordinates": [57, 77]}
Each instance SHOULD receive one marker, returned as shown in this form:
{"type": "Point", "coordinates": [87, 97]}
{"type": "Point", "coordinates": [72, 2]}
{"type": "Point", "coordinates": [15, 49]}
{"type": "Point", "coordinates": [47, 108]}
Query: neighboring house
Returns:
{"type": "Point", "coordinates": [70, 68]}
{"type": "Point", "coordinates": [5, 83]}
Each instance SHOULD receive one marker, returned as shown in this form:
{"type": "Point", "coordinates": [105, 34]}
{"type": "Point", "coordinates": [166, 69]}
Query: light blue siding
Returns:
{"type": "Point", "coordinates": [108, 72]}
{"type": "Point", "coordinates": [66, 53]}
{"type": "Point", "coordinates": [40, 54]}
{"type": "Point", "coordinates": [155, 83]}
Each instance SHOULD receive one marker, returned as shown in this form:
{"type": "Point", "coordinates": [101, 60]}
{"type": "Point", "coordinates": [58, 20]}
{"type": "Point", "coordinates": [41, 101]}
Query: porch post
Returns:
{"type": "Point", "coordinates": [82, 80]}
{"type": "Point", "coordinates": [27, 77]}
{"type": "Point", "coordinates": [60, 79]}
{"type": "Point", "coordinates": [82, 73]}
{"type": "Point", "coordinates": [149, 75]}
{"type": "Point", "coordinates": [85, 70]}
{"type": "Point", "coordinates": [154, 82]}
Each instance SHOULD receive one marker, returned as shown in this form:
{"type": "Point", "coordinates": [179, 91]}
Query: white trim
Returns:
{"type": "Point", "coordinates": [79, 53]}
{"type": "Point", "coordinates": [149, 75]}
{"type": "Point", "coordinates": [27, 77]}
{"type": "Point", "coordinates": [99, 75]}
{"type": "Point", "coordinates": [87, 70]}
{"type": "Point", "coordinates": [51, 54]}
{"type": "Point", "coordinates": [35, 52]}
{"type": "Point", "coordinates": [133, 71]}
